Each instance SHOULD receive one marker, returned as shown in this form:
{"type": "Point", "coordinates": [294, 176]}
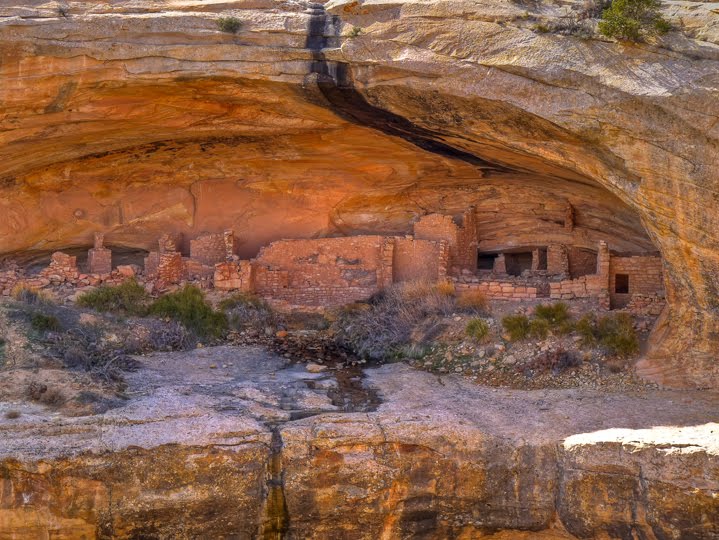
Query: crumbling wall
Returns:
{"type": "Point", "coordinates": [62, 268]}
{"type": "Point", "coordinates": [461, 239]}
{"type": "Point", "coordinates": [212, 248]}
{"type": "Point", "coordinates": [557, 260]}
{"type": "Point", "coordinates": [234, 275]}
{"type": "Point", "coordinates": [590, 286]}
{"type": "Point", "coordinates": [419, 260]}
{"type": "Point", "coordinates": [320, 273]}
{"type": "Point", "coordinates": [99, 258]}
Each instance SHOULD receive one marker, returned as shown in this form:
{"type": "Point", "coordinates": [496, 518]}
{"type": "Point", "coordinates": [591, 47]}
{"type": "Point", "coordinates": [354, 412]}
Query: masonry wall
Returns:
{"type": "Point", "coordinates": [645, 277]}
{"type": "Point", "coordinates": [462, 240]}
{"type": "Point", "coordinates": [320, 273]}
{"type": "Point", "coordinates": [234, 275]}
{"type": "Point", "coordinates": [499, 289]}
{"type": "Point", "coordinates": [419, 260]}
{"type": "Point", "coordinates": [209, 249]}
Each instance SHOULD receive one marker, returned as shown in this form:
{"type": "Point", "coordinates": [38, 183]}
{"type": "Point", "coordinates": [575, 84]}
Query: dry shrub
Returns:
{"type": "Point", "coordinates": [473, 302]}
{"type": "Point", "coordinates": [380, 330]}
{"type": "Point", "coordinates": [446, 288]}
{"type": "Point", "coordinates": [29, 295]}
{"type": "Point", "coordinates": [12, 415]}
{"type": "Point", "coordinates": [554, 361]}
{"type": "Point", "coordinates": [40, 392]}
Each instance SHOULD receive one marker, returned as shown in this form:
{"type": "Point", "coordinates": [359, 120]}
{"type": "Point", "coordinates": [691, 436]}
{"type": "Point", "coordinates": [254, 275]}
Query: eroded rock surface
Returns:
{"type": "Point", "coordinates": [257, 447]}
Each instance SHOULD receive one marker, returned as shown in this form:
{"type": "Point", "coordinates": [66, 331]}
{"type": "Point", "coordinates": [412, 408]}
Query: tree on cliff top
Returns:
{"type": "Point", "coordinates": [633, 20]}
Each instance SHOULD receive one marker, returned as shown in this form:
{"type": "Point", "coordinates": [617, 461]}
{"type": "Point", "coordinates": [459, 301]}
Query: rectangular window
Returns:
{"type": "Point", "coordinates": [621, 283]}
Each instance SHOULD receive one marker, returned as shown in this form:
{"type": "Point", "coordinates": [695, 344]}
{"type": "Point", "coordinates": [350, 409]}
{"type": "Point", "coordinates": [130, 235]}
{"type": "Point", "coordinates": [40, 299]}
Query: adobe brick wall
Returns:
{"type": "Point", "coordinates": [419, 260]}
{"type": "Point", "coordinates": [234, 275]}
{"type": "Point", "coordinates": [320, 273]}
{"type": "Point", "coordinates": [210, 248]}
{"type": "Point", "coordinates": [462, 240]}
{"type": "Point", "coordinates": [645, 273]}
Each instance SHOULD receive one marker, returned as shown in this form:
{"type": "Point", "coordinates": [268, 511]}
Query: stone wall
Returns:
{"type": "Point", "coordinates": [62, 268]}
{"type": "Point", "coordinates": [462, 240]}
{"type": "Point", "coordinates": [419, 260]}
{"type": "Point", "coordinates": [212, 248]}
{"type": "Point", "coordinates": [499, 289]}
{"type": "Point", "coordinates": [590, 286]}
{"type": "Point", "coordinates": [645, 277]}
{"type": "Point", "coordinates": [234, 275]}
{"type": "Point", "coordinates": [557, 260]}
{"type": "Point", "coordinates": [321, 273]}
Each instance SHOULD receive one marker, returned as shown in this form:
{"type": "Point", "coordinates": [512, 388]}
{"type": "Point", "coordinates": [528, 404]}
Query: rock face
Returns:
{"type": "Point", "coordinates": [134, 118]}
{"type": "Point", "coordinates": [256, 448]}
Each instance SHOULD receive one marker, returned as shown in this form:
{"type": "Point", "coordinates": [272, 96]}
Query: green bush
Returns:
{"type": "Point", "coordinates": [231, 25]}
{"type": "Point", "coordinates": [44, 323]}
{"type": "Point", "coordinates": [615, 333]}
{"type": "Point", "coordinates": [189, 307]}
{"type": "Point", "coordinates": [554, 314]}
{"type": "Point", "coordinates": [539, 328]}
{"type": "Point", "coordinates": [517, 326]}
{"type": "Point", "coordinates": [356, 31]}
{"type": "Point", "coordinates": [477, 329]}
{"type": "Point", "coordinates": [129, 298]}
{"type": "Point", "coordinates": [633, 20]}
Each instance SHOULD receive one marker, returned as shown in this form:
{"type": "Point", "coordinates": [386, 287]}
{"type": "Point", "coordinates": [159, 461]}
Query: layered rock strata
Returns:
{"type": "Point", "coordinates": [254, 447]}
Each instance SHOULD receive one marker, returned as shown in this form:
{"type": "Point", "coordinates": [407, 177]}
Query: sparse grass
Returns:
{"type": "Point", "coordinates": [539, 328]}
{"type": "Point", "coordinates": [189, 307]}
{"type": "Point", "coordinates": [554, 314]}
{"type": "Point", "coordinates": [129, 298]}
{"type": "Point", "coordinates": [473, 302]}
{"type": "Point", "coordinates": [28, 295]}
{"type": "Point", "coordinates": [477, 329]}
{"type": "Point", "coordinates": [446, 288]}
{"type": "Point", "coordinates": [413, 351]}
{"type": "Point", "coordinates": [42, 323]}
{"type": "Point", "coordinates": [517, 326]}
{"type": "Point", "coordinates": [615, 333]}
{"type": "Point", "coordinates": [230, 25]}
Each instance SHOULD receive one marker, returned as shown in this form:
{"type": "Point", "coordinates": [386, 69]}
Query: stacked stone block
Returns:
{"type": "Point", "coordinates": [62, 268]}
{"type": "Point", "coordinates": [234, 275]}
{"type": "Point", "coordinates": [99, 258]}
{"type": "Point", "coordinates": [557, 260]}
{"type": "Point", "coordinates": [210, 249]}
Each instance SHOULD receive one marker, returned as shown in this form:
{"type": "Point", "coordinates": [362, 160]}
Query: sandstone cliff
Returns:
{"type": "Point", "coordinates": [259, 449]}
{"type": "Point", "coordinates": [139, 117]}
